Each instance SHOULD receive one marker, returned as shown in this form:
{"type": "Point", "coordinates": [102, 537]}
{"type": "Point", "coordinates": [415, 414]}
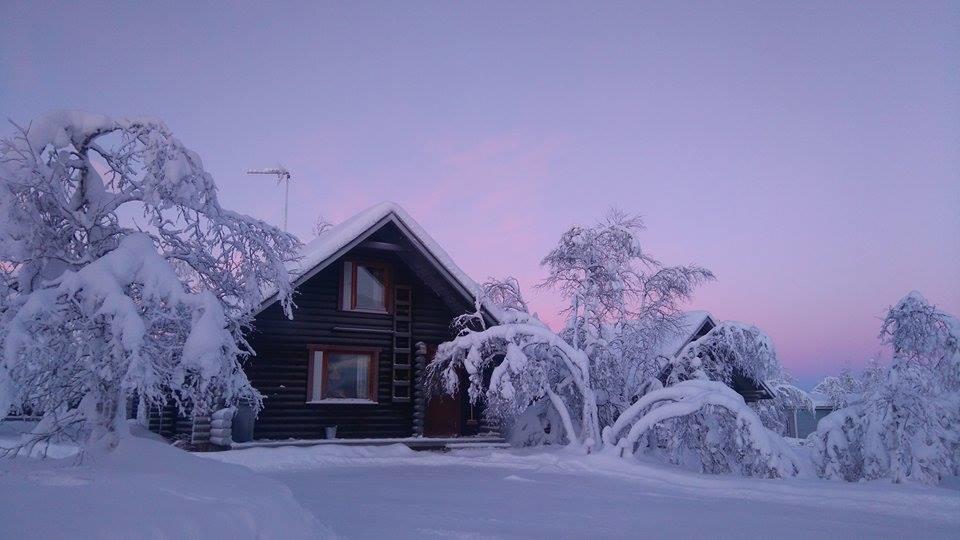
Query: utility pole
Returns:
{"type": "Point", "coordinates": [283, 175]}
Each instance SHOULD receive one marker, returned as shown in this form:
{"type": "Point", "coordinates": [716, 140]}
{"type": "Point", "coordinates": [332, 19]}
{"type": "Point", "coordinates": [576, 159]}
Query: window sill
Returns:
{"type": "Point", "coordinates": [368, 311]}
{"type": "Point", "coordinates": [341, 401]}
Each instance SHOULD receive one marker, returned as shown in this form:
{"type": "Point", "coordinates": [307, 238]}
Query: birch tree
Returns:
{"type": "Point", "coordinates": [95, 213]}
{"type": "Point", "coordinates": [905, 425]}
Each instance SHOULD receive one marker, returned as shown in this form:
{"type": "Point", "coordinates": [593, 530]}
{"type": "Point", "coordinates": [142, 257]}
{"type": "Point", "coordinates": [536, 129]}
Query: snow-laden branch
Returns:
{"type": "Point", "coordinates": [749, 445]}
{"type": "Point", "coordinates": [529, 362]}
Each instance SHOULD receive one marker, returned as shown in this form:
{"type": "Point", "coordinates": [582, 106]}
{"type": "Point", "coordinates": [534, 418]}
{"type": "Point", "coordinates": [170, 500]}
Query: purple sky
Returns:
{"type": "Point", "coordinates": [808, 153]}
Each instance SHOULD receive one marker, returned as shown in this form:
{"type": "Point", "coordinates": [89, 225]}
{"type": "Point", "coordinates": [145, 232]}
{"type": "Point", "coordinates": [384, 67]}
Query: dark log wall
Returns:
{"type": "Point", "coordinates": [280, 368]}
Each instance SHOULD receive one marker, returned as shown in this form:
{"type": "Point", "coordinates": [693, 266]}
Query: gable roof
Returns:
{"type": "Point", "coordinates": [341, 238]}
{"type": "Point", "coordinates": [689, 326]}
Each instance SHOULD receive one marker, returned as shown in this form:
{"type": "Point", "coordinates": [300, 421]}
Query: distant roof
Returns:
{"type": "Point", "coordinates": [820, 401]}
{"type": "Point", "coordinates": [690, 323]}
{"type": "Point", "coordinates": [341, 238]}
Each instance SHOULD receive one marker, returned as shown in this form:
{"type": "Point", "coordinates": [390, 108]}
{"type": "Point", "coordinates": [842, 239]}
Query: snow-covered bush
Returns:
{"type": "Point", "coordinates": [122, 275]}
{"type": "Point", "coordinates": [906, 422]}
{"type": "Point", "coordinates": [535, 426]}
{"type": "Point", "coordinates": [707, 422]}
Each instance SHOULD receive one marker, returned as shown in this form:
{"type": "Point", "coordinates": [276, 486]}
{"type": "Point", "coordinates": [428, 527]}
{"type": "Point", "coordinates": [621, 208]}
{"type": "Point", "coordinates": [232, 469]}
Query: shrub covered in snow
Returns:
{"type": "Point", "coordinates": [121, 274]}
{"type": "Point", "coordinates": [905, 424]}
{"type": "Point", "coordinates": [707, 423]}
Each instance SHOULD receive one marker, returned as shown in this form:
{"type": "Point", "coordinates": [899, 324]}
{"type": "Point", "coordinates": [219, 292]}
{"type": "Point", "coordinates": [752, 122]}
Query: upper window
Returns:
{"type": "Point", "coordinates": [342, 375]}
{"type": "Point", "coordinates": [365, 287]}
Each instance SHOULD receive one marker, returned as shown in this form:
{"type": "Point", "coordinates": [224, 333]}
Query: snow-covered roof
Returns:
{"type": "Point", "coordinates": [341, 238]}
{"type": "Point", "coordinates": [690, 323]}
{"type": "Point", "coordinates": [820, 400]}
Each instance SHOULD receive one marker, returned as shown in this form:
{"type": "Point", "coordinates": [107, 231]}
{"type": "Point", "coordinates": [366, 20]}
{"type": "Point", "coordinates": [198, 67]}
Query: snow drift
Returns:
{"type": "Point", "coordinates": [146, 489]}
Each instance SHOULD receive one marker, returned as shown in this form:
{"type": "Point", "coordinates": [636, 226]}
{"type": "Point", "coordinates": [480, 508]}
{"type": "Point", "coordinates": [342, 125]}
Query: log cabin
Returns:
{"type": "Point", "coordinates": [374, 296]}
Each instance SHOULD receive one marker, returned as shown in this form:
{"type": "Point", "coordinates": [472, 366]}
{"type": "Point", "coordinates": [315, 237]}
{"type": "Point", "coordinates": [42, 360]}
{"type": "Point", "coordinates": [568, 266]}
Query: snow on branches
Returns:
{"type": "Point", "coordinates": [906, 422]}
{"type": "Point", "coordinates": [732, 349]}
{"type": "Point", "coordinates": [843, 390]}
{"type": "Point", "coordinates": [601, 369]}
{"type": "Point", "coordinates": [710, 420]}
{"type": "Point", "coordinates": [621, 299]}
{"type": "Point", "coordinates": [922, 335]}
{"type": "Point", "coordinates": [607, 277]}
{"type": "Point", "coordinates": [529, 363]}
{"type": "Point", "coordinates": [122, 274]}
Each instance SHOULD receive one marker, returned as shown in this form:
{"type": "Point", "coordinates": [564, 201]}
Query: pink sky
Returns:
{"type": "Point", "coordinates": [808, 153]}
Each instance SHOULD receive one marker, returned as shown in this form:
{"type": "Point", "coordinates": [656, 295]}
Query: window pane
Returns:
{"type": "Point", "coordinates": [371, 288]}
{"type": "Point", "coordinates": [347, 376]}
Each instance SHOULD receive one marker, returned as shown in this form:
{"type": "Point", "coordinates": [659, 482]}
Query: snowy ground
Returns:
{"type": "Point", "coordinates": [365, 492]}
{"type": "Point", "coordinates": [143, 489]}
{"type": "Point", "coordinates": [149, 489]}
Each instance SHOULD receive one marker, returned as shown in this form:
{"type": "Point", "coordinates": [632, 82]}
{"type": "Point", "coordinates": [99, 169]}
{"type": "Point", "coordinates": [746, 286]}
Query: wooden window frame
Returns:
{"type": "Point", "coordinates": [387, 286]}
{"type": "Point", "coordinates": [372, 370]}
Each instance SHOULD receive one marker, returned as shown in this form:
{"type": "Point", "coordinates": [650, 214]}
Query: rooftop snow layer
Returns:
{"type": "Point", "coordinates": [690, 322]}
{"type": "Point", "coordinates": [336, 240]}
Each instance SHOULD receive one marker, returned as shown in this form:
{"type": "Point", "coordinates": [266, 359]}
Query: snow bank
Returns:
{"type": "Point", "coordinates": [146, 489]}
{"type": "Point", "coordinates": [296, 458]}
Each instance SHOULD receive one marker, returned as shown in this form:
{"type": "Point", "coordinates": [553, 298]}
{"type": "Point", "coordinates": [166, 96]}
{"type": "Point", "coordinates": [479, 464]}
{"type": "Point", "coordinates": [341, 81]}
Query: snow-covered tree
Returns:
{"type": "Point", "coordinates": [599, 374]}
{"type": "Point", "coordinates": [529, 363]}
{"type": "Point", "coordinates": [123, 276]}
{"type": "Point", "coordinates": [905, 424]}
{"type": "Point", "coordinates": [622, 304]}
{"type": "Point", "coordinates": [844, 389]}
{"type": "Point", "coordinates": [704, 422]}
{"type": "Point", "coordinates": [731, 349]}
{"type": "Point", "coordinates": [607, 277]}
{"type": "Point", "coordinates": [618, 294]}
{"type": "Point", "coordinates": [321, 225]}
{"type": "Point", "coordinates": [505, 293]}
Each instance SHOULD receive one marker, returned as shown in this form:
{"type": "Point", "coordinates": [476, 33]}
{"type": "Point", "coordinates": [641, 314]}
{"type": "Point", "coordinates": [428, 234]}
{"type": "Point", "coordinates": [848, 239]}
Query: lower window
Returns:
{"type": "Point", "coordinates": [342, 375]}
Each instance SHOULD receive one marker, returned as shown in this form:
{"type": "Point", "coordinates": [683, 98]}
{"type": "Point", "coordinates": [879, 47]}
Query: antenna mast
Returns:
{"type": "Point", "coordinates": [283, 175]}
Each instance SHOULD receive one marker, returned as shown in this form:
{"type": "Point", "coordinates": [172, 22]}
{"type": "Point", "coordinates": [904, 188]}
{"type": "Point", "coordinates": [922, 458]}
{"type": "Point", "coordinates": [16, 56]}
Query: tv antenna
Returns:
{"type": "Point", "coordinates": [283, 176]}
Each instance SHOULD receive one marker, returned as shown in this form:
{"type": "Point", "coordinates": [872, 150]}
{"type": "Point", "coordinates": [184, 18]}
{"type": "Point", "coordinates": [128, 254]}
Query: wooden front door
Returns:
{"type": "Point", "coordinates": [444, 412]}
